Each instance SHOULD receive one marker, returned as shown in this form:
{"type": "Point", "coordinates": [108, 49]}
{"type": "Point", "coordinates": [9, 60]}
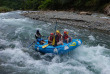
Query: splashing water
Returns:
{"type": "Point", "coordinates": [17, 32]}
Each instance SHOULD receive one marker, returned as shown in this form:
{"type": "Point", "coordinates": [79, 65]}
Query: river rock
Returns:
{"type": "Point", "coordinates": [107, 10]}
{"type": "Point", "coordinates": [65, 17]}
{"type": "Point", "coordinates": [85, 13]}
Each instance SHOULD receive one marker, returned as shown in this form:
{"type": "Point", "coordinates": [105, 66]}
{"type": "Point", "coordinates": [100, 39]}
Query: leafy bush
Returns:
{"type": "Point", "coordinates": [5, 9]}
{"type": "Point", "coordinates": [46, 4]}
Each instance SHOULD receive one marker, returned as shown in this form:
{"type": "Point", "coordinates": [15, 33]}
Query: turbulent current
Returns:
{"type": "Point", "coordinates": [17, 33]}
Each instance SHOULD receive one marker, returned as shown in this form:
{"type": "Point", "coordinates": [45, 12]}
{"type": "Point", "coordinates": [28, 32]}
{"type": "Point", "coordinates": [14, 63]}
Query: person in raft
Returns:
{"type": "Point", "coordinates": [66, 38]}
{"type": "Point", "coordinates": [50, 39]}
{"type": "Point", "coordinates": [58, 38]}
{"type": "Point", "coordinates": [38, 37]}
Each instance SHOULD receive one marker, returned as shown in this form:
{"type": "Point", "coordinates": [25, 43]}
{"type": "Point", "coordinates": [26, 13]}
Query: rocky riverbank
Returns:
{"type": "Point", "coordinates": [91, 21]}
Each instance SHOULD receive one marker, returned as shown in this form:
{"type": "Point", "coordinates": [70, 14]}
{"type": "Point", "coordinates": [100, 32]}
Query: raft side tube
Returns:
{"type": "Point", "coordinates": [61, 49]}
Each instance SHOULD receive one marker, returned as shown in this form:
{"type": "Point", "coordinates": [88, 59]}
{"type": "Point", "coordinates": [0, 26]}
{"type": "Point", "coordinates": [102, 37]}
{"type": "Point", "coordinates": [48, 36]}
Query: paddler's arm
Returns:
{"type": "Point", "coordinates": [61, 37]}
{"type": "Point", "coordinates": [49, 39]}
{"type": "Point", "coordinates": [70, 37]}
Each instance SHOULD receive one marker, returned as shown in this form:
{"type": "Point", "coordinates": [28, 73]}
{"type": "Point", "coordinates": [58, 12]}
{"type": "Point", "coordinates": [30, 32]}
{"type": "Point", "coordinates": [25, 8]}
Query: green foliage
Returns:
{"type": "Point", "coordinates": [32, 4]}
{"type": "Point", "coordinates": [90, 4]}
{"type": "Point", "coordinates": [45, 4]}
{"type": "Point", "coordinates": [50, 4]}
{"type": "Point", "coordinates": [5, 9]}
{"type": "Point", "coordinates": [54, 4]}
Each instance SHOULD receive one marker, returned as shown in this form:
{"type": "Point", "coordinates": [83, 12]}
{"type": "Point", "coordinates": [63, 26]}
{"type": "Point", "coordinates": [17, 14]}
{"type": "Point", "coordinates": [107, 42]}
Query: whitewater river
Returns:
{"type": "Point", "coordinates": [17, 32]}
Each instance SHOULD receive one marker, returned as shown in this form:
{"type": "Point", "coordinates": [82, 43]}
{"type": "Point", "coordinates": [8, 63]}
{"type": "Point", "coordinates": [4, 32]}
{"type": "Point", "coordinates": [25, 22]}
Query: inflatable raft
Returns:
{"type": "Point", "coordinates": [61, 49]}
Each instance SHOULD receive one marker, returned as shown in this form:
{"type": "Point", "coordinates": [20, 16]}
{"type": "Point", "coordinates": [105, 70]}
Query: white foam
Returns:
{"type": "Point", "coordinates": [73, 64]}
{"type": "Point", "coordinates": [94, 55]}
{"type": "Point", "coordinates": [66, 29]}
{"type": "Point", "coordinates": [19, 30]}
{"type": "Point", "coordinates": [15, 56]}
{"type": "Point", "coordinates": [47, 25]}
{"type": "Point", "coordinates": [105, 17]}
{"type": "Point", "coordinates": [71, 31]}
{"type": "Point", "coordinates": [7, 43]}
{"type": "Point", "coordinates": [1, 14]}
{"type": "Point", "coordinates": [3, 41]}
{"type": "Point", "coordinates": [39, 29]}
{"type": "Point", "coordinates": [91, 38]}
{"type": "Point", "coordinates": [64, 67]}
{"type": "Point", "coordinates": [13, 20]}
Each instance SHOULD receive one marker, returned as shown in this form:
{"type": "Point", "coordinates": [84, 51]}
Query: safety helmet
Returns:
{"type": "Point", "coordinates": [57, 31]}
{"type": "Point", "coordinates": [65, 32]}
{"type": "Point", "coordinates": [51, 33]}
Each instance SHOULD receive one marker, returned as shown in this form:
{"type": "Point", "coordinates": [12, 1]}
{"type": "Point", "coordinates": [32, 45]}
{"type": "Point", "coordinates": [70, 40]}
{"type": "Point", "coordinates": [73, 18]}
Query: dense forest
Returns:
{"type": "Point", "coordinates": [94, 5]}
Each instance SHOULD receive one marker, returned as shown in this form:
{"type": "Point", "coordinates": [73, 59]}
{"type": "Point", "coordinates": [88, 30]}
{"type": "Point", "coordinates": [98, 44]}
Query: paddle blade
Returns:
{"type": "Point", "coordinates": [67, 32]}
{"type": "Point", "coordinates": [53, 43]}
{"type": "Point", "coordinates": [45, 46]}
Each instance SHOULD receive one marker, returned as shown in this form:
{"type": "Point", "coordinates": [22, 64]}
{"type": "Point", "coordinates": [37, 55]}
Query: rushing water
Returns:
{"type": "Point", "coordinates": [17, 32]}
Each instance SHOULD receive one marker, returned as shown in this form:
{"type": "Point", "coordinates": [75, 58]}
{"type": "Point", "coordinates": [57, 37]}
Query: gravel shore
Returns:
{"type": "Point", "coordinates": [94, 22]}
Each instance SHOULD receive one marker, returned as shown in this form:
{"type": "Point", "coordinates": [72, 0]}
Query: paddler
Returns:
{"type": "Point", "coordinates": [66, 38]}
{"type": "Point", "coordinates": [50, 39]}
{"type": "Point", "coordinates": [58, 38]}
{"type": "Point", "coordinates": [38, 37]}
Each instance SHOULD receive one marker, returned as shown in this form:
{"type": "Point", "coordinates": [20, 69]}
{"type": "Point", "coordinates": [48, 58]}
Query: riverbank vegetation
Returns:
{"type": "Point", "coordinates": [91, 5]}
{"type": "Point", "coordinates": [5, 9]}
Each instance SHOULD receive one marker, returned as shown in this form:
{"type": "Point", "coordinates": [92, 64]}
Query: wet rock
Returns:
{"type": "Point", "coordinates": [107, 10]}
{"type": "Point", "coordinates": [85, 13]}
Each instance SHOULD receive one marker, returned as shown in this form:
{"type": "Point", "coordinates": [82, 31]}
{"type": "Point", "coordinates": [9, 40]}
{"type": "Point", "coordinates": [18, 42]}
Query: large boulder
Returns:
{"type": "Point", "coordinates": [107, 10]}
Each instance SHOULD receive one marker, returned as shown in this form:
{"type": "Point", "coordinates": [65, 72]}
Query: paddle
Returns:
{"type": "Point", "coordinates": [56, 26]}
{"type": "Point", "coordinates": [53, 42]}
{"type": "Point", "coordinates": [45, 46]}
{"type": "Point", "coordinates": [31, 44]}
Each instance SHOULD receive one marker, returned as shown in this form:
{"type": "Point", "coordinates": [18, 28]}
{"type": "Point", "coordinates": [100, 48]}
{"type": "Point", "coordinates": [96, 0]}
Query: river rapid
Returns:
{"type": "Point", "coordinates": [17, 33]}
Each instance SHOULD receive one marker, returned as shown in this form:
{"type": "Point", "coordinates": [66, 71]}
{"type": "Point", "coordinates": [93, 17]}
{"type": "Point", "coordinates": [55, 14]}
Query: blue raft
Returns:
{"type": "Point", "coordinates": [61, 49]}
